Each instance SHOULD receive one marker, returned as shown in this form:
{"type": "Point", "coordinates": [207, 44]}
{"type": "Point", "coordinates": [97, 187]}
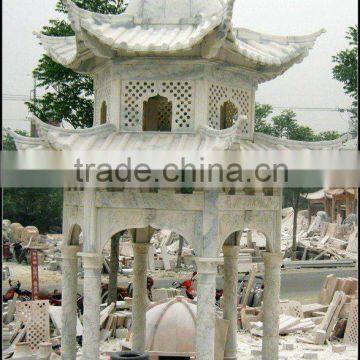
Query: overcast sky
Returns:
{"type": "Point", "coordinates": [308, 84]}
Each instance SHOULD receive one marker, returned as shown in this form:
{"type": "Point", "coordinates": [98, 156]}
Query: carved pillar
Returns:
{"type": "Point", "coordinates": [271, 299]}
{"type": "Point", "coordinates": [69, 301]}
{"type": "Point", "coordinates": [92, 264]}
{"type": "Point", "coordinates": [205, 324]}
{"type": "Point", "coordinates": [231, 258]}
{"type": "Point", "coordinates": [140, 296]}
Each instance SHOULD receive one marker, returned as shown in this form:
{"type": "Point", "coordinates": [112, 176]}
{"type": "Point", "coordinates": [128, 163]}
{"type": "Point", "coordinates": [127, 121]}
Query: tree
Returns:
{"type": "Point", "coordinates": [262, 112]}
{"type": "Point", "coordinates": [293, 195]}
{"type": "Point", "coordinates": [346, 71]}
{"type": "Point", "coordinates": [9, 143]}
{"type": "Point", "coordinates": [40, 207]}
{"type": "Point", "coordinates": [285, 125]}
{"type": "Point", "coordinates": [327, 135]}
{"type": "Point", "coordinates": [68, 95]}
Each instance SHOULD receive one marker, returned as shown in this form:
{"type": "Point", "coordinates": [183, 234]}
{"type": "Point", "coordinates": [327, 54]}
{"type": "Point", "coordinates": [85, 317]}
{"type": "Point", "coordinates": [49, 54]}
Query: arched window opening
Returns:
{"type": "Point", "coordinates": [157, 114]}
{"type": "Point", "coordinates": [228, 115]}
{"type": "Point", "coordinates": [103, 114]}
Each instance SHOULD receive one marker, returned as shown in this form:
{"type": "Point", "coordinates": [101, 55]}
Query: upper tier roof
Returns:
{"type": "Point", "coordinates": [105, 137]}
{"type": "Point", "coordinates": [168, 27]}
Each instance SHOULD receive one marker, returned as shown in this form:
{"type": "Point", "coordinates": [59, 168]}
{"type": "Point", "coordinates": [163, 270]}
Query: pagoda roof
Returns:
{"type": "Point", "coordinates": [106, 137]}
{"type": "Point", "coordinates": [328, 193]}
{"type": "Point", "coordinates": [155, 28]}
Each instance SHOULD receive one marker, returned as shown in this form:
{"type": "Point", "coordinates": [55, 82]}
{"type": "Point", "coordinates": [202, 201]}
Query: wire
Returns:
{"type": "Point", "coordinates": [340, 110]}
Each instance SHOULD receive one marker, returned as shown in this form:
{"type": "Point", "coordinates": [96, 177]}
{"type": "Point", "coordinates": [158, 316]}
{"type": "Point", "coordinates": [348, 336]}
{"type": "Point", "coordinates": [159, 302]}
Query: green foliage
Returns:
{"type": "Point", "coordinates": [346, 71]}
{"type": "Point", "coordinates": [285, 125]}
{"type": "Point", "coordinates": [346, 61]}
{"type": "Point", "coordinates": [8, 143]}
{"type": "Point", "coordinates": [31, 206]}
{"type": "Point", "coordinates": [68, 95]}
{"type": "Point", "coordinates": [327, 135]}
{"type": "Point", "coordinates": [262, 112]}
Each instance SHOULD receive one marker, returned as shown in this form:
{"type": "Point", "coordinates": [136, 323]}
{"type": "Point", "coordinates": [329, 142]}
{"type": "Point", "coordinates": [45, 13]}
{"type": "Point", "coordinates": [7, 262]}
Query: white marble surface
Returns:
{"type": "Point", "coordinates": [231, 257]}
{"type": "Point", "coordinates": [271, 309]}
{"type": "Point", "coordinates": [205, 326]}
{"type": "Point", "coordinates": [92, 264]}
{"type": "Point", "coordinates": [69, 301]}
{"type": "Point", "coordinates": [140, 296]}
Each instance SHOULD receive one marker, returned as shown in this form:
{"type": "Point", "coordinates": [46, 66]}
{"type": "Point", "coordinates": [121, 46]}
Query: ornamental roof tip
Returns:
{"type": "Point", "coordinates": [106, 137]}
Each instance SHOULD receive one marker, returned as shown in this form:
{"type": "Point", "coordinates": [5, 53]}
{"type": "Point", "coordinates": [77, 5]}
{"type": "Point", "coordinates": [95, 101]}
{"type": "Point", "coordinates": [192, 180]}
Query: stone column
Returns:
{"type": "Point", "coordinates": [270, 342]}
{"type": "Point", "coordinates": [205, 323]}
{"type": "Point", "coordinates": [69, 301]}
{"type": "Point", "coordinates": [92, 264]}
{"type": "Point", "coordinates": [231, 258]}
{"type": "Point", "coordinates": [140, 296]}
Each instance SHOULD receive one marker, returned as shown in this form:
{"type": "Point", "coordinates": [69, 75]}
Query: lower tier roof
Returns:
{"type": "Point", "coordinates": [106, 137]}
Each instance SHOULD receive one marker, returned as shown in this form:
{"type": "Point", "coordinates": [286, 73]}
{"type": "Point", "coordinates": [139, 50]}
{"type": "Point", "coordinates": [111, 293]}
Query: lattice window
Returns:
{"type": "Point", "coordinates": [352, 327]}
{"type": "Point", "coordinates": [241, 98]}
{"type": "Point", "coordinates": [35, 315]}
{"type": "Point", "coordinates": [165, 115]}
{"type": "Point", "coordinates": [179, 93]}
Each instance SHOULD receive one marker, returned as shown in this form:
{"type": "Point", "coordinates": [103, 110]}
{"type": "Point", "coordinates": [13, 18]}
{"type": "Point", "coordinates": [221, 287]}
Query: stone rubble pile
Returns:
{"type": "Point", "coordinates": [333, 321]}
{"type": "Point", "coordinates": [163, 253]}
{"type": "Point", "coordinates": [322, 239]}
{"type": "Point", "coordinates": [20, 240]}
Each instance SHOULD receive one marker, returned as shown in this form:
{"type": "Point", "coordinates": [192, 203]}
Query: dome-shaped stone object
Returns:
{"type": "Point", "coordinates": [171, 328]}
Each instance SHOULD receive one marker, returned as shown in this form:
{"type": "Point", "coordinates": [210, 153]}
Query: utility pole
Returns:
{"type": "Point", "coordinates": [33, 132]}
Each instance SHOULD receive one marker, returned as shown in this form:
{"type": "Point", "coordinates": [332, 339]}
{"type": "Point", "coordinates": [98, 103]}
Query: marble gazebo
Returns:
{"type": "Point", "coordinates": [170, 75]}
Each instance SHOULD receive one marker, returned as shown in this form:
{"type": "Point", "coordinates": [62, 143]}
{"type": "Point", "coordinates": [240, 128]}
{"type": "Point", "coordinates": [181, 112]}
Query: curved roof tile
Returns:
{"type": "Point", "coordinates": [142, 29]}
{"type": "Point", "coordinates": [105, 137]}
{"type": "Point", "coordinates": [272, 49]}
{"type": "Point", "coordinates": [63, 49]}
